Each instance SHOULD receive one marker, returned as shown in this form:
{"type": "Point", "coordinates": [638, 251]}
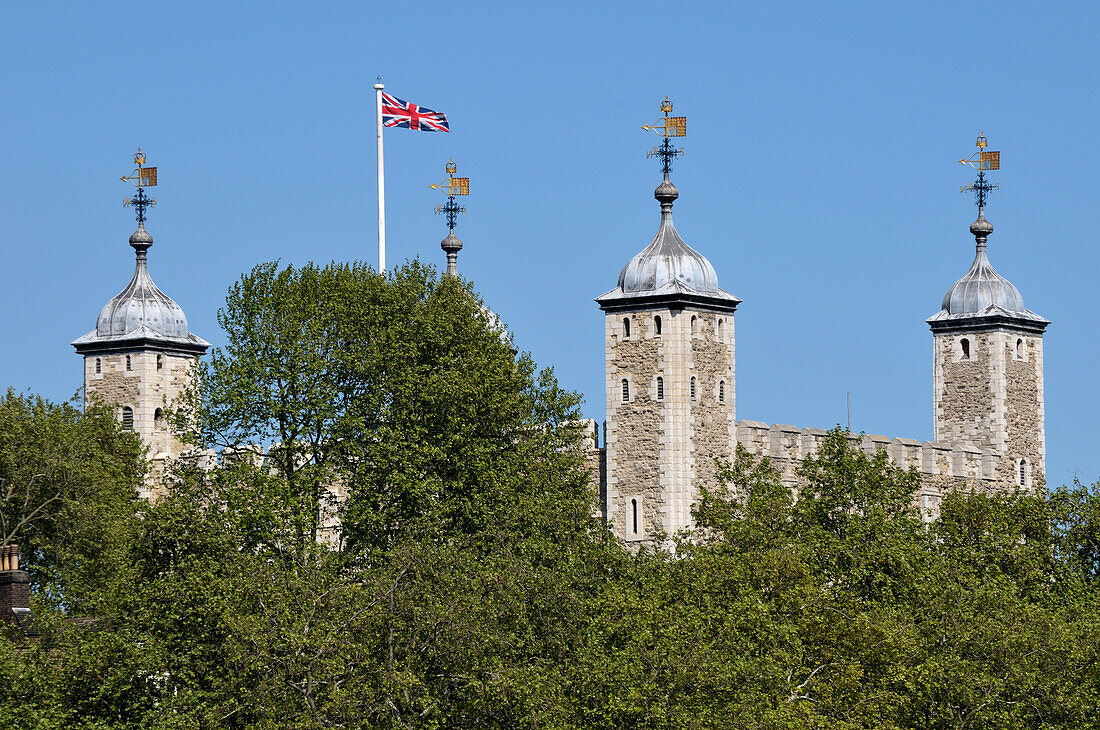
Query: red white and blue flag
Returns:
{"type": "Point", "coordinates": [398, 113]}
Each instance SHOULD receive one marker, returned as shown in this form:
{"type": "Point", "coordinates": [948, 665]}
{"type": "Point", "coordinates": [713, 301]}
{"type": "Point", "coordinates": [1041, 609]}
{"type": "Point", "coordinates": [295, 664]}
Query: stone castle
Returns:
{"type": "Point", "coordinates": [670, 383]}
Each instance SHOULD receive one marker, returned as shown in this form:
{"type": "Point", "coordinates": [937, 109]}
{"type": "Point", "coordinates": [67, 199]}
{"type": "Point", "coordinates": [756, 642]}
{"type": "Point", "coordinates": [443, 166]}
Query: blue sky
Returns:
{"type": "Point", "coordinates": [820, 177]}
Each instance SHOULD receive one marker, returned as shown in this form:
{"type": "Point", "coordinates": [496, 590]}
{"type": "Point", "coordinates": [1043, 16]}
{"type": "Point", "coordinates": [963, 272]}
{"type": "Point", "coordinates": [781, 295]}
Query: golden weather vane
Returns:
{"type": "Point", "coordinates": [453, 186]}
{"type": "Point", "coordinates": [982, 160]}
{"type": "Point", "coordinates": [667, 127]}
{"type": "Point", "coordinates": [141, 178]}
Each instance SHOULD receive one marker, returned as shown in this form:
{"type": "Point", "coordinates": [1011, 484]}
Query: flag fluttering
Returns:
{"type": "Point", "coordinates": [399, 113]}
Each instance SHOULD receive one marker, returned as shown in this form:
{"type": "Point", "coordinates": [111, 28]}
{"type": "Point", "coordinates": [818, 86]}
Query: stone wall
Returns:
{"type": "Point", "coordinates": [713, 422]}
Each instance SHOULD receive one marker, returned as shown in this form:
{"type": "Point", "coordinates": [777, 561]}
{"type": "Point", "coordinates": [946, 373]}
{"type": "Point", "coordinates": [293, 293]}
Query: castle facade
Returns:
{"type": "Point", "coordinates": [670, 364]}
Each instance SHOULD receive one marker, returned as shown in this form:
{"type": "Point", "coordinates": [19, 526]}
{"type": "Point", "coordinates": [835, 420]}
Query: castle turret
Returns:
{"type": "Point", "coordinates": [141, 355]}
{"type": "Point", "coordinates": [669, 380]}
{"type": "Point", "coordinates": [988, 361]}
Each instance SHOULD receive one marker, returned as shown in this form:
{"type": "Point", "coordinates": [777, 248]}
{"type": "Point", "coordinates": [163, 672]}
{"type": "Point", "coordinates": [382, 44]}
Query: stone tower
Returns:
{"type": "Point", "coordinates": [140, 357]}
{"type": "Point", "coordinates": [987, 384]}
{"type": "Point", "coordinates": [669, 382]}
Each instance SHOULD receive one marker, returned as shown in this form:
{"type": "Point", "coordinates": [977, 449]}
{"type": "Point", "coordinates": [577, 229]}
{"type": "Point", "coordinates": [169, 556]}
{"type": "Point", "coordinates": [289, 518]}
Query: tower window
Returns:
{"type": "Point", "coordinates": [128, 367]}
{"type": "Point", "coordinates": [964, 344]}
{"type": "Point", "coordinates": [694, 324]}
{"type": "Point", "coordinates": [98, 366]}
{"type": "Point", "coordinates": [626, 390]}
{"type": "Point", "coordinates": [635, 522]}
{"type": "Point", "coordinates": [721, 391]}
{"type": "Point", "coordinates": [693, 387]}
{"type": "Point", "coordinates": [721, 329]}
{"type": "Point", "coordinates": [657, 324]}
{"type": "Point", "coordinates": [158, 417]}
{"type": "Point", "coordinates": [1023, 473]}
{"type": "Point", "coordinates": [1020, 349]}
{"type": "Point", "coordinates": [626, 327]}
{"type": "Point", "coordinates": [160, 361]}
{"type": "Point", "coordinates": [127, 418]}
{"type": "Point", "coordinates": [660, 388]}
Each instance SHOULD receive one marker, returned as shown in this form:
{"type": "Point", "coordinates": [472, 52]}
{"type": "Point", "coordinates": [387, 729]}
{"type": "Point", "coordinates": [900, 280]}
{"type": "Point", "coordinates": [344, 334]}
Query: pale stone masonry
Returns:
{"type": "Point", "coordinates": [670, 391]}
{"type": "Point", "coordinates": [139, 359]}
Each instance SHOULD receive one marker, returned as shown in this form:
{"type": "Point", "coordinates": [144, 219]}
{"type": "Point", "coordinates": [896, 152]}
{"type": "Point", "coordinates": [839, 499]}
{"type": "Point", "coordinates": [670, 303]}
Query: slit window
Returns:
{"type": "Point", "coordinates": [634, 516]}
{"type": "Point", "coordinates": [626, 327]}
{"type": "Point", "coordinates": [160, 361]}
{"type": "Point", "coordinates": [1023, 472]}
{"type": "Point", "coordinates": [721, 391]}
{"type": "Point", "coordinates": [98, 366]}
{"type": "Point", "coordinates": [693, 387]}
{"type": "Point", "coordinates": [657, 324]}
{"type": "Point", "coordinates": [127, 418]}
{"type": "Point", "coordinates": [721, 328]}
{"type": "Point", "coordinates": [694, 324]}
{"type": "Point", "coordinates": [660, 388]}
{"type": "Point", "coordinates": [1020, 349]}
{"type": "Point", "coordinates": [964, 345]}
{"type": "Point", "coordinates": [626, 390]}
{"type": "Point", "coordinates": [128, 363]}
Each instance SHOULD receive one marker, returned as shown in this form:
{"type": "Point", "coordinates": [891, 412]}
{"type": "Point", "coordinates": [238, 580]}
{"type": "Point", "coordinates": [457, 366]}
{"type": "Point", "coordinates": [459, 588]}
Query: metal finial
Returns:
{"type": "Point", "coordinates": [667, 127]}
{"type": "Point", "coordinates": [981, 161]}
{"type": "Point", "coordinates": [141, 178]}
{"type": "Point", "coordinates": [453, 186]}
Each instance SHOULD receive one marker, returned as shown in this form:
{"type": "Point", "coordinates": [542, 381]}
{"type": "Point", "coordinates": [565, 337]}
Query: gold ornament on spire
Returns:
{"type": "Point", "coordinates": [141, 178]}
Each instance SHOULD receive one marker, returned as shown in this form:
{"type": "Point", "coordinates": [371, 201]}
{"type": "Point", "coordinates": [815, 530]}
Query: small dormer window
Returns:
{"type": "Point", "coordinates": [127, 418]}
{"type": "Point", "coordinates": [98, 366]}
{"type": "Point", "coordinates": [128, 364]}
{"type": "Point", "coordinates": [657, 324]}
{"type": "Point", "coordinates": [660, 388]}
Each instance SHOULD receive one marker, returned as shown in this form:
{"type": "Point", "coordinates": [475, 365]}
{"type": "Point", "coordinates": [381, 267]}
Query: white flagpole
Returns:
{"type": "Point", "coordinates": [381, 183]}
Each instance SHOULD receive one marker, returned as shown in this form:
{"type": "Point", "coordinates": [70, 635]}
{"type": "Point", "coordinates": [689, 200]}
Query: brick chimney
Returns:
{"type": "Point", "coordinates": [15, 585]}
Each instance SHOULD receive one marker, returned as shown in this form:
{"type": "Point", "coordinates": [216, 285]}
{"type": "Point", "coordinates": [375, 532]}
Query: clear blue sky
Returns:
{"type": "Point", "coordinates": [820, 179]}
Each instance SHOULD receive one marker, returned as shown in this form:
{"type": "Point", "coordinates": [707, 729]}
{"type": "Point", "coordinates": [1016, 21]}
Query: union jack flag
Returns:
{"type": "Point", "coordinates": [398, 113]}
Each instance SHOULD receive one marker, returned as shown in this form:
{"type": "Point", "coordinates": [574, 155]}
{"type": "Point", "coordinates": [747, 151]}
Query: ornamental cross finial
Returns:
{"type": "Point", "coordinates": [453, 186]}
{"type": "Point", "coordinates": [141, 178]}
{"type": "Point", "coordinates": [667, 127]}
{"type": "Point", "coordinates": [981, 161]}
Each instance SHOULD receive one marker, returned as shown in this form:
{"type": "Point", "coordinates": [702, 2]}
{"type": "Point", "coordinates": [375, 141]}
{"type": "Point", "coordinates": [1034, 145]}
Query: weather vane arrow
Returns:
{"type": "Point", "coordinates": [141, 178]}
{"type": "Point", "coordinates": [982, 160]}
{"type": "Point", "coordinates": [667, 127]}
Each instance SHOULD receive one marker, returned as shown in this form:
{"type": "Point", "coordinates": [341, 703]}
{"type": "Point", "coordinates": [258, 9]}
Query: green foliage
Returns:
{"type": "Point", "coordinates": [473, 588]}
{"type": "Point", "coordinates": [68, 482]}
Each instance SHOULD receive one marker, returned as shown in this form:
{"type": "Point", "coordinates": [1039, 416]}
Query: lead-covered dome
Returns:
{"type": "Point", "coordinates": [141, 311]}
{"type": "Point", "coordinates": [982, 294]}
{"type": "Point", "coordinates": [981, 286]}
{"type": "Point", "coordinates": [667, 259]}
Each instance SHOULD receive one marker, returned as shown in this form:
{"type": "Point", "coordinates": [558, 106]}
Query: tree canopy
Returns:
{"type": "Point", "coordinates": [473, 588]}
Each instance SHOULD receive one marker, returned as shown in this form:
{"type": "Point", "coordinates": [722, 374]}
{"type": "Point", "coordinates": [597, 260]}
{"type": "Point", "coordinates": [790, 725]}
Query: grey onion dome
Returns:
{"type": "Point", "coordinates": [451, 243]}
{"type": "Point", "coordinates": [668, 260]}
{"type": "Point", "coordinates": [141, 303]}
{"type": "Point", "coordinates": [981, 286]}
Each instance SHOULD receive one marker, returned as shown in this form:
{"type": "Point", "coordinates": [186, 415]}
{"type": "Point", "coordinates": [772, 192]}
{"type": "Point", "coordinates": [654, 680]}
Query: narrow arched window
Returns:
{"type": "Point", "coordinates": [693, 387]}
{"type": "Point", "coordinates": [657, 324]}
{"type": "Point", "coordinates": [721, 328]}
{"type": "Point", "coordinates": [1019, 349]}
{"type": "Point", "coordinates": [626, 390]}
{"type": "Point", "coordinates": [127, 418]}
{"type": "Point", "coordinates": [98, 366]}
{"type": "Point", "coordinates": [1023, 472]}
{"type": "Point", "coordinates": [160, 361]}
{"type": "Point", "coordinates": [128, 367]}
{"type": "Point", "coordinates": [634, 517]}
{"type": "Point", "coordinates": [965, 345]}
{"type": "Point", "coordinates": [158, 417]}
{"type": "Point", "coordinates": [694, 324]}
{"type": "Point", "coordinates": [660, 388]}
{"type": "Point", "coordinates": [626, 327]}
{"type": "Point", "coordinates": [721, 391]}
